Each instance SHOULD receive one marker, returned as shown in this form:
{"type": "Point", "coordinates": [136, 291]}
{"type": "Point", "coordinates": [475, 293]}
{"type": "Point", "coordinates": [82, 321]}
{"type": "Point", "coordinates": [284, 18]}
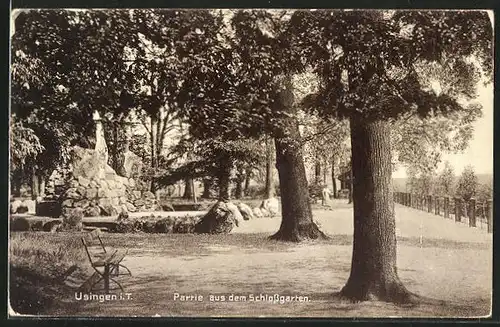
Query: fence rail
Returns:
{"type": "Point", "coordinates": [476, 213]}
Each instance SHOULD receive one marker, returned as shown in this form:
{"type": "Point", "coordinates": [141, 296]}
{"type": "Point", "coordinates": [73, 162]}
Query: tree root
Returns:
{"type": "Point", "coordinates": [393, 292]}
{"type": "Point", "coordinates": [302, 232]}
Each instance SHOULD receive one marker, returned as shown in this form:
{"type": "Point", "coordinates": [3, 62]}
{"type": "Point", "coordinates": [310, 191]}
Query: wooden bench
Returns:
{"type": "Point", "coordinates": [105, 262]}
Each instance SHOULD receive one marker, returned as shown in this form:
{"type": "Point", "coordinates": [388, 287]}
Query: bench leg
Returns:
{"type": "Point", "coordinates": [129, 272]}
{"type": "Point", "coordinates": [106, 279]}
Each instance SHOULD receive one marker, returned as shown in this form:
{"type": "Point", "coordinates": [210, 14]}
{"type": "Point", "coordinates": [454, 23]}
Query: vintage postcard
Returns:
{"type": "Point", "coordinates": [251, 163]}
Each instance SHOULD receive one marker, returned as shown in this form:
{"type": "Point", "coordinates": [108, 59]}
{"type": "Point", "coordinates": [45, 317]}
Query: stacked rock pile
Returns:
{"type": "Point", "coordinates": [98, 190]}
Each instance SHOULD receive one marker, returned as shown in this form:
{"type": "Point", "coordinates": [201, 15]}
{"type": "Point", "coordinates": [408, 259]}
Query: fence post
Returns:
{"type": "Point", "coordinates": [409, 200]}
{"type": "Point", "coordinates": [489, 215]}
{"type": "Point", "coordinates": [457, 209]}
{"type": "Point", "coordinates": [446, 207]}
{"type": "Point", "coordinates": [472, 212]}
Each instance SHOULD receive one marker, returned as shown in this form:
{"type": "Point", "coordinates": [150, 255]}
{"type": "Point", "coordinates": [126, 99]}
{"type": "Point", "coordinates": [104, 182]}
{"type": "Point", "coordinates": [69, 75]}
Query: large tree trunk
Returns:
{"type": "Point", "coordinates": [351, 186]}
{"type": "Point", "coordinates": [334, 184]}
{"type": "Point", "coordinates": [269, 189]}
{"type": "Point", "coordinates": [296, 222]}
{"type": "Point", "coordinates": [239, 188]}
{"type": "Point", "coordinates": [207, 185]}
{"type": "Point", "coordinates": [373, 269]}
{"type": "Point", "coordinates": [188, 190]}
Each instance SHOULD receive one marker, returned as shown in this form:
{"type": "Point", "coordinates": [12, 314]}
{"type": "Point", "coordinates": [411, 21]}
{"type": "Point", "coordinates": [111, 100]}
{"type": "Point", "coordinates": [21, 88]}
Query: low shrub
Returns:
{"type": "Point", "coordinates": [19, 224]}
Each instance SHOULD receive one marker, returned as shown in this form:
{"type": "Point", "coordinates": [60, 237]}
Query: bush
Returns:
{"type": "Point", "coordinates": [20, 224]}
{"type": "Point", "coordinates": [72, 221]}
{"type": "Point", "coordinates": [164, 225]}
{"type": "Point", "coordinates": [315, 191]}
{"type": "Point", "coordinates": [255, 191]}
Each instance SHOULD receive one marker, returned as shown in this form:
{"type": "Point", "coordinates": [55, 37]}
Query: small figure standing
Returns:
{"type": "Point", "coordinates": [325, 199]}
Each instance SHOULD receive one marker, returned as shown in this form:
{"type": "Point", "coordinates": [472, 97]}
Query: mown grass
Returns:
{"type": "Point", "coordinates": [38, 262]}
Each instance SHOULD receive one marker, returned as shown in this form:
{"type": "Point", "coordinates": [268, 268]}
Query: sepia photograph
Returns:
{"type": "Point", "coordinates": [251, 163]}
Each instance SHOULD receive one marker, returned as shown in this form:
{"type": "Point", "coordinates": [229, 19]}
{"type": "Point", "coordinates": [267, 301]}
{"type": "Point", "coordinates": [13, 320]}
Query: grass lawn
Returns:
{"type": "Point", "coordinates": [437, 258]}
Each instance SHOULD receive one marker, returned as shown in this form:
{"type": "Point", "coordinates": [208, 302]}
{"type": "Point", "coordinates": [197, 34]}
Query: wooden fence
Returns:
{"type": "Point", "coordinates": [479, 214]}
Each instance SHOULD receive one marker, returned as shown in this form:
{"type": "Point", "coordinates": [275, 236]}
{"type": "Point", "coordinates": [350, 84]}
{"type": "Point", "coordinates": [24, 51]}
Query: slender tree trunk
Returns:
{"type": "Point", "coordinates": [239, 189]}
{"type": "Point", "coordinates": [154, 159]}
{"type": "Point", "coordinates": [41, 186]}
{"type": "Point", "coordinates": [207, 185]}
{"type": "Point", "coordinates": [373, 269]}
{"type": "Point", "coordinates": [334, 184]}
{"type": "Point", "coordinates": [194, 198]}
{"type": "Point", "coordinates": [114, 149]}
{"type": "Point", "coordinates": [224, 177]}
{"type": "Point", "coordinates": [269, 189]}
{"type": "Point", "coordinates": [317, 172]}
{"type": "Point", "coordinates": [34, 184]}
{"type": "Point", "coordinates": [188, 190]}
{"type": "Point", "coordinates": [248, 176]}
{"type": "Point", "coordinates": [325, 174]}
{"type": "Point", "coordinates": [296, 222]}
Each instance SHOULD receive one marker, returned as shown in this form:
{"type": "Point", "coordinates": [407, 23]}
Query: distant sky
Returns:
{"type": "Point", "coordinates": [479, 153]}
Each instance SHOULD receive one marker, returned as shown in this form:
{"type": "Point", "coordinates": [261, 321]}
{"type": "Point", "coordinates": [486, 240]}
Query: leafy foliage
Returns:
{"type": "Point", "coordinates": [467, 183]}
{"type": "Point", "coordinates": [446, 180]}
{"type": "Point", "coordinates": [25, 145]}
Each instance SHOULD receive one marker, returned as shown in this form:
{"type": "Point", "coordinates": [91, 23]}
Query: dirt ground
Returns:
{"type": "Point", "coordinates": [437, 258]}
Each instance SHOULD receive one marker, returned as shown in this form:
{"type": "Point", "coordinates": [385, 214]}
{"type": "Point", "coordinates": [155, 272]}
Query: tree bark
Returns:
{"type": "Point", "coordinates": [248, 176]}
{"type": "Point", "coordinates": [35, 182]}
{"type": "Point", "coordinates": [317, 172]}
{"type": "Point", "coordinates": [207, 184]}
{"type": "Point", "coordinates": [154, 159]}
{"type": "Point", "coordinates": [224, 177]}
{"type": "Point", "coordinates": [351, 186]}
{"type": "Point", "coordinates": [296, 222]}
{"type": "Point", "coordinates": [188, 190]}
{"type": "Point", "coordinates": [373, 268]}
{"type": "Point", "coordinates": [239, 189]}
{"type": "Point", "coordinates": [334, 184]}
{"type": "Point", "coordinates": [269, 189]}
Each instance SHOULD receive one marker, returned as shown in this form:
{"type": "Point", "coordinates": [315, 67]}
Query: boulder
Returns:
{"type": "Point", "coordinates": [271, 205]}
{"type": "Point", "coordinates": [15, 205]}
{"type": "Point", "coordinates": [91, 193]}
{"type": "Point", "coordinates": [148, 195]}
{"type": "Point", "coordinates": [108, 210]}
{"type": "Point", "coordinates": [246, 211]}
{"type": "Point", "coordinates": [130, 207]}
{"type": "Point", "coordinates": [31, 205]}
{"type": "Point", "coordinates": [220, 219]}
{"type": "Point", "coordinates": [235, 211]}
{"type": "Point", "coordinates": [92, 211]}
{"type": "Point", "coordinates": [131, 165]}
{"type": "Point", "coordinates": [84, 204]}
{"type": "Point", "coordinates": [123, 216]}
{"type": "Point", "coordinates": [257, 212]}
{"type": "Point", "coordinates": [83, 181]}
{"type": "Point", "coordinates": [68, 203]}
{"type": "Point", "coordinates": [51, 226]}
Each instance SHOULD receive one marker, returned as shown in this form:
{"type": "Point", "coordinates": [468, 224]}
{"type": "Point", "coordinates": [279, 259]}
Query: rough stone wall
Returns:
{"type": "Point", "coordinates": [95, 187]}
